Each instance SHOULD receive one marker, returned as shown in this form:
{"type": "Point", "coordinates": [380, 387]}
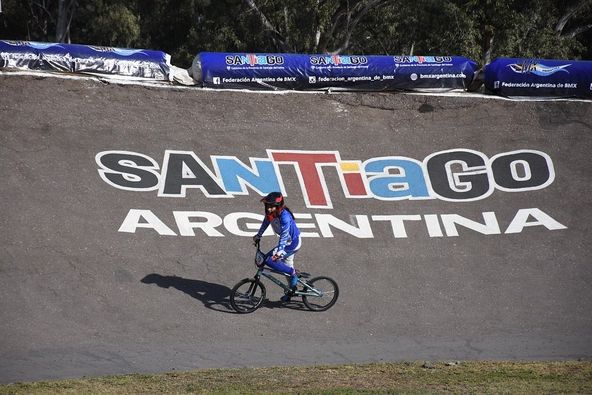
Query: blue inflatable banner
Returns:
{"type": "Point", "coordinates": [346, 72]}
{"type": "Point", "coordinates": [539, 77]}
{"type": "Point", "coordinates": [74, 58]}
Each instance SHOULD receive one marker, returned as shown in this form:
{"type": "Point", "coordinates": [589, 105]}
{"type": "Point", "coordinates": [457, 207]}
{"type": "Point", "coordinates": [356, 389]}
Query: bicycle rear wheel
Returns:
{"type": "Point", "coordinates": [327, 290]}
{"type": "Point", "coordinates": [247, 296]}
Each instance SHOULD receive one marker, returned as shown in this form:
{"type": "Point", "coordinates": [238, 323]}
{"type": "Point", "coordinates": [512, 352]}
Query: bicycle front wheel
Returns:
{"type": "Point", "coordinates": [247, 296]}
{"type": "Point", "coordinates": [326, 292]}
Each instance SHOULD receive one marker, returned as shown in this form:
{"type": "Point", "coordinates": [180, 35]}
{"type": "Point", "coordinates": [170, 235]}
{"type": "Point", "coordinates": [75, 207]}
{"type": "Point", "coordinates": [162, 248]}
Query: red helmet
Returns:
{"type": "Point", "coordinates": [274, 199]}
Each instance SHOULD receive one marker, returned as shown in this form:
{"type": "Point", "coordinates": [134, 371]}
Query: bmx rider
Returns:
{"type": "Point", "coordinates": [282, 222]}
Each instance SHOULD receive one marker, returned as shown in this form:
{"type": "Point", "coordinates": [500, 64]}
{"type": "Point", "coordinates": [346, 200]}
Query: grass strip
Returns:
{"type": "Point", "coordinates": [566, 377]}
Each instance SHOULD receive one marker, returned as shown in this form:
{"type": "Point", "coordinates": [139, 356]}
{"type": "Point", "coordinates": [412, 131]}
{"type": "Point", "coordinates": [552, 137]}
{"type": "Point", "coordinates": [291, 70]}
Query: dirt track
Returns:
{"type": "Point", "coordinates": [80, 297]}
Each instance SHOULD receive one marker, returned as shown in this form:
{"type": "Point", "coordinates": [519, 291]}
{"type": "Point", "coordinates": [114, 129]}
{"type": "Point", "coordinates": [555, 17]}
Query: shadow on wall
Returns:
{"type": "Point", "coordinates": [213, 296]}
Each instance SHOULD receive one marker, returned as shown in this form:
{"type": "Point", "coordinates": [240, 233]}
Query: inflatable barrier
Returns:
{"type": "Point", "coordinates": [75, 58]}
{"type": "Point", "coordinates": [345, 72]}
{"type": "Point", "coordinates": [510, 77]}
{"type": "Point", "coordinates": [539, 77]}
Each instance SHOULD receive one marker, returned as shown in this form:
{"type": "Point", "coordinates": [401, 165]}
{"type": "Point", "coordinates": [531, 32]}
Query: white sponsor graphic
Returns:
{"type": "Point", "coordinates": [245, 224]}
{"type": "Point", "coordinates": [456, 175]}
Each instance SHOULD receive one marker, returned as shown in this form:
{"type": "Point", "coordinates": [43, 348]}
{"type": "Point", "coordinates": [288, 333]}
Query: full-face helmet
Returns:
{"type": "Point", "coordinates": [273, 199]}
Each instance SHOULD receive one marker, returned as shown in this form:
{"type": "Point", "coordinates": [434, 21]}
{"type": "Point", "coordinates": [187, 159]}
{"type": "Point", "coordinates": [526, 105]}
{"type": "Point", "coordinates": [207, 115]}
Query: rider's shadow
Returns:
{"type": "Point", "coordinates": [213, 296]}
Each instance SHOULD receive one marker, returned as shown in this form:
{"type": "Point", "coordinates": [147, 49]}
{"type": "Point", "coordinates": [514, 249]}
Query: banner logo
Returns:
{"type": "Point", "coordinates": [537, 68]}
{"type": "Point", "coordinates": [254, 60]}
{"type": "Point", "coordinates": [422, 59]}
{"type": "Point", "coordinates": [337, 60]}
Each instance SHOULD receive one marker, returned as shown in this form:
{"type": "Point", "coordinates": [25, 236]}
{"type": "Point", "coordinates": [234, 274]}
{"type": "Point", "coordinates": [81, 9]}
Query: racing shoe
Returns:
{"type": "Point", "coordinates": [286, 298]}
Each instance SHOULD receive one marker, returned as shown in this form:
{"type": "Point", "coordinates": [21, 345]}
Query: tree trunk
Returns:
{"type": "Point", "coordinates": [66, 10]}
{"type": "Point", "coordinates": [62, 23]}
{"type": "Point", "coordinates": [567, 16]}
{"type": "Point", "coordinates": [488, 46]}
{"type": "Point", "coordinates": [270, 30]}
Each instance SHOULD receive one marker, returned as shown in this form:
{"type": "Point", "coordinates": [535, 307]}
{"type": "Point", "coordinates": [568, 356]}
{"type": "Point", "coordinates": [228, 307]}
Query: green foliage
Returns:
{"type": "Point", "coordinates": [21, 20]}
{"type": "Point", "coordinates": [113, 24]}
{"type": "Point", "coordinates": [424, 27]}
{"type": "Point", "coordinates": [478, 29]}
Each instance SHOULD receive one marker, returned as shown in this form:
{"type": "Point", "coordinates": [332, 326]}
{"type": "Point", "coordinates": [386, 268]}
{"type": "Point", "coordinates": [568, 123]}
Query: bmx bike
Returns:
{"type": "Point", "coordinates": [318, 293]}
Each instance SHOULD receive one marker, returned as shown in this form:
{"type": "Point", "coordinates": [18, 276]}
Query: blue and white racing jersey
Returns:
{"type": "Point", "coordinates": [285, 227]}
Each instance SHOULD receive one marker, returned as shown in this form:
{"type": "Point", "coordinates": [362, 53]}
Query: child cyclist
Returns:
{"type": "Point", "coordinates": [282, 221]}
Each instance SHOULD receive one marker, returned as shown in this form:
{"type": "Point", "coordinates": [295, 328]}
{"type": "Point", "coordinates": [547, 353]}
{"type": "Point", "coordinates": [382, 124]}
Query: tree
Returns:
{"type": "Point", "coordinates": [66, 10]}
{"type": "Point", "coordinates": [478, 29]}
{"type": "Point", "coordinates": [113, 23]}
{"type": "Point", "coordinates": [49, 17]}
{"type": "Point", "coordinates": [531, 28]}
{"type": "Point", "coordinates": [424, 27]}
{"type": "Point", "coordinates": [318, 26]}
{"type": "Point", "coordinates": [580, 13]}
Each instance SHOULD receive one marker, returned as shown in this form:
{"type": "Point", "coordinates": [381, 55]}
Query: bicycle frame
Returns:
{"type": "Point", "coordinates": [270, 274]}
